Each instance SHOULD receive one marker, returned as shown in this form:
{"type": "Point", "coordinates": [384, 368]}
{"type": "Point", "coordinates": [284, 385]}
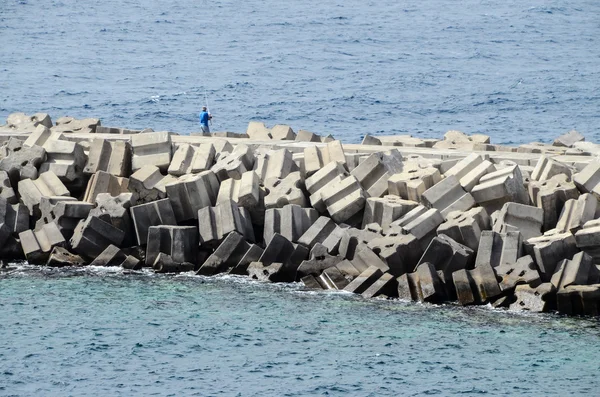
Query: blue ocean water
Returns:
{"type": "Point", "coordinates": [100, 332]}
{"type": "Point", "coordinates": [520, 71]}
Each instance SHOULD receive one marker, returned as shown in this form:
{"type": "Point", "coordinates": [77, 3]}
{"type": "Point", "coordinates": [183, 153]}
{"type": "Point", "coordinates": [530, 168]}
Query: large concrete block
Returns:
{"type": "Point", "coordinates": [165, 263]}
{"type": "Point", "coordinates": [291, 221]}
{"type": "Point", "coordinates": [114, 256]}
{"type": "Point", "coordinates": [588, 180]}
{"type": "Point", "coordinates": [500, 187]}
{"type": "Point", "coordinates": [320, 180]}
{"type": "Point", "coordinates": [385, 285]}
{"type": "Point", "coordinates": [156, 213]}
{"type": "Point", "coordinates": [289, 255]}
{"type": "Point", "coordinates": [32, 191]}
{"type": "Point", "coordinates": [470, 170]}
{"type": "Point", "coordinates": [104, 182]}
{"type": "Point", "coordinates": [234, 164]}
{"type": "Point", "coordinates": [318, 262]}
{"type": "Point", "coordinates": [281, 192]}
{"type": "Point", "coordinates": [148, 184]}
{"type": "Point", "coordinates": [192, 192]}
{"type": "Point", "coordinates": [6, 190]}
{"type": "Point", "coordinates": [421, 222]}
{"type": "Point", "coordinates": [189, 159]}
{"type": "Point", "coordinates": [331, 278]}
{"type": "Point", "coordinates": [577, 271]}
{"type": "Point", "coordinates": [476, 286]}
{"type": "Point", "coordinates": [373, 172]}
{"type": "Point", "coordinates": [523, 271]}
{"type": "Point", "coordinates": [548, 167]}
{"type": "Point", "coordinates": [22, 122]}
{"type": "Point", "coordinates": [496, 249]}
{"type": "Point", "coordinates": [252, 255]}
{"type": "Point", "coordinates": [447, 196]}
{"type": "Point", "coordinates": [179, 242]}
{"type": "Point", "coordinates": [244, 191]}
{"type": "Point", "coordinates": [14, 219]}
{"type": "Point", "coordinates": [446, 256]}
{"type": "Point", "coordinates": [515, 217]}
{"type": "Point", "coordinates": [71, 124]}
{"type": "Point", "coordinates": [275, 164]}
{"type": "Point", "coordinates": [307, 136]}
{"type": "Point", "coordinates": [400, 252]}
{"type": "Point", "coordinates": [315, 158]}
{"type": "Point", "coordinates": [576, 213]}
{"type": "Point", "coordinates": [23, 163]}
{"type": "Point", "coordinates": [366, 278]}
{"type": "Point", "coordinates": [466, 227]}
{"type": "Point", "coordinates": [541, 298]}
{"type": "Point", "coordinates": [93, 235]}
{"type": "Point", "coordinates": [66, 159]}
{"type": "Point", "coordinates": [386, 210]}
{"type": "Point", "coordinates": [344, 199]}
{"type": "Point", "coordinates": [215, 223]}
{"type": "Point", "coordinates": [153, 148]}
{"type": "Point", "coordinates": [413, 181]}
{"type": "Point", "coordinates": [67, 214]}
{"type": "Point", "coordinates": [579, 300]}
{"type": "Point", "coordinates": [568, 139]}
{"type": "Point", "coordinates": [227, 255]}
{"type": "Point", "coordinates": [113, 157]}
{"type": "Point", "coordinates": [38, 137]}
{"type": "Point", "coordinates": [423, 285]}
{"type": "Point", "coordinates": [37, 245]}
{"type": "Point", "coordinates": [549, 249]}
{"type": "Point", "coordinates": [118, 209]}
{"type": "Point", "coordinates": [551, 195]}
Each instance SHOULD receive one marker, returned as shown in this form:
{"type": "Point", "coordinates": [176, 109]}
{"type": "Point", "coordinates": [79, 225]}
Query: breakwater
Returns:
{"type": "Point", "coordinates": [457, 219]}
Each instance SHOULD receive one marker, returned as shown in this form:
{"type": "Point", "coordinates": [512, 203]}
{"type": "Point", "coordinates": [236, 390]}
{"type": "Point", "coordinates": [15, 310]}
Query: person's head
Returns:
{"type": "Point", "coordinates": [203, 107]}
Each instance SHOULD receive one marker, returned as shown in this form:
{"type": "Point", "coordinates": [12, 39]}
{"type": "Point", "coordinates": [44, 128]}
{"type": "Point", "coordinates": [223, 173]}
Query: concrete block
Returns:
{"type": "Point", "coordinates": [579, 300]}
{"type": "Point", "coordinates": [156, 213]}
{"type": "Point", "coordinates": [258, 131]}
{"type": "Point", "coordinates": [121, 131]}
{"type": "Point", "coordinates": [534, 299]}
{"type": "Point", "coordinates": [38, 137]}
{"type": "Point", "coordinates": [399, 252]}
{"type": "Point", "coordinates": [66, 159]}
{"type": "Point", "coordinates": [179, 242]}
{"type": "Point", "coordinates": [14, 219]}
{"type": "Point", "coordinates": [275, 164]}
{"type": "Point", "coordinates": [476, 286]}
{"type": "Point", "coordinates": [569, 139]}
{"type": "Point", "coordinates": [192, 192]}
{"type": "Point", "coordinates": [551, 195]}
{"type": "Point", "coordinates": [373, 173]}
{"type": "Point", "coordinates": [261, 272]}
{"type": "Point", "coordinates": [332, 278]}
{"type": "Point", "coordinates": [333, 240]}
{"type": "Point", "coordinates": [113, 157]}
{"type": "Point", "coordinates": [588, 179]}
{"type": "Point", "coordinates": [413, 182]}
{"type": "Point", "coordinates": [523, 271]}
{"type": "Point", "coordinates": [500, 187]}
{"type": "Point", "coordinates": [61, 257]}
{"type": "Point", "coordinates": [234, 164]}
{"type": "Point", "coordinates": [307, 136]}
{"type": "Point", "coordinates": [420, 222]}
{"type": "Point", "coordinates": [93, 235]}
{"type": "Point", "coordinates": [165, 263]}
{"type": "Point", "coordinates": [466, 227]}
{"type": "Point", "coordinates": [315, 158]}
{"type": "Point", "coordinates": [344, 199]}
{"type": "Point", "coordinates": [292, 222]}
{"type": "Point", "coordinates": [366, 278]}
{"type": "Point", "coordinates": [446, 256]}
{"type": "Point", "coordinates": [227, 255]}
{"type": "Point", "coordinates": [114, 256]}
{"type": "Point", "coordinates": [252, 255]}
{"type": "Point", "coordinates": [148, 184]}
{"type": "Point", "coordinates": [67, 214]}
{"type": "Point", "coordinates": [470, 170]}
{"type": "Point", "coordinates": [496, 249]}
{"type": "Point", "coordinates": [576, 212]}
{"type": "Point", "coordinates": [22, 122]}
{"type": "Point", "coordinates": [386, 210]}
{"type": "Point", "coordinates": [23, 163]}
{"type": "Point", "coordinates": [215, 223]}
{"type": "Point", "coordinates": [189, 159]}
{"type": "Point", "coordinates": [577, 271]}
{"type": "Point", "coordinates": [385, 285]}
{"type": "Point", "coordinates": [282, 132]}
{"type": "Point", "coordinates": [281, 250]}
{"type": "Point", "coordinates": [281, 192]}
{"type": "Point", "coordinates": [550, 249]}
{"type": "Point", "coordinates": [73, 125]}
{"type": "Point", "coordinates": [32, 191]}
{"type": "Point", "coordinates": [423, 285]}
{"type": "Point", "coordinates": [548, 167]}
{"type": "Point", "coordinates": [515, 217]}
{"type": "Point", "coordinates": [447, 196]}
{"type": "Point", "coordinates": [6, 190]}
{"type": "Point", "coordinates": [103, 182]}
{"type": "Point", "coordinates": [37, 245]}
{"type": "Point", "coordinates": [320, 180]}
{"type": "Point", "coordinates": [319, 261]}
{"type": "Point", "coordinates": [244, 191]}
{"type": "Point", "coordinates": [118, 209]}
{"type": "Point", "coordinates": [152, 148]}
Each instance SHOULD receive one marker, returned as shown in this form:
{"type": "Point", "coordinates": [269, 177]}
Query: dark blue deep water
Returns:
{"type": "Point", "coordinates": [520, 71]}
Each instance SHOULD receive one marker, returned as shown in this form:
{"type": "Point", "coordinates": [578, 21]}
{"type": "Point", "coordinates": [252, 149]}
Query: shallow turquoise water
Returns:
{"type": "Point", "coordinates": [101, 332]}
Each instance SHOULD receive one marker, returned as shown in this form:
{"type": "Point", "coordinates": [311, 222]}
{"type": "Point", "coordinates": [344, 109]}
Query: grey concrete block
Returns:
{"type": "Point", "coordinates": [227, 255]}
{"type": "Point", "coordinates": [568, 139]}
{"type": "Point", "coordinates": [386, 210]}
{"type": "Point", "coordinates": [466, 227]}
{"type": "Point", "coordinates": [420, 222]}
{"type": "Point", "coordinates": [576, 212]}
{"type": "Point", "coordinates": [32, 191]}
{"type": "Point", "coordinates": [413, 181]}
{"type": "Point", "coordinates": [61, 257]}
{"type": "Point", "coordinates": [588, 179]}
{"type": "Point", "coordinates": [156, 213]}
{"type": "Point", "coordinates": [179, 242]}
{"type": "Point", "coordinates": [523, 271]}
{"type": "Point", "coordinates": [579, 300]}
{"type": "Point", "coordinates": [447, 256]}
{"type": "Point", "coordinates": [275, 164]}
{"type": "Point", "coordinates": [366, 278]}
{"type": "Point", "coordinates": [234, 164]}
{"type": "Point", "coordinates": [118, 209]}
{"type": "Point", "coordinates": [385, 285]}
{"type": "Point", "coordinates": [152, 148]}
{"type": "Point", "coordinates": [291, 221]}
{"type": "Point", "coordinates": [148, 184]}
{"type": "Point", "coordinates": [500, 187]}
{"type": "Point", "coordinates": [318, 262]}
{"type": "Point", "coordinates": [515, 217]}
{"type": "Point", "coordinates": [93, 235]}
{"type": "Point", "coordinates": [253, 254]}
{"type": "Point", "coordinates": [551, 195]}
{"type": "Point", "coordinates": [73, 125]}
{"type": "Point", "coordinates": [113, 157]}
{"type": "Point", "coordinates": [447, 196]}
{"type": "Point", "coordinates": [320, 180]}
{"type": "Point", "coordinates": [550, 249]}
{"type": "Point", "coordinates": [165, 263]}
{"type": "Point", "coordinates": [283, 191]}
{"type": "Point", "coordinates": [577, 271]}
{"type": "Point", "coordinates": [244, 191]}
{"type": "Point", "coordinates": [192, 192]}
{"type": "Point", "coordinates": [373, 172]}
{"type": "Point", "coordinates": [317, 232]}
{"type": "Point", "coordinates": [400, 252]}
{"type": "Point", "coordinates": [189, 159]}
{"type": "Point", "coordinates": [548, 167]}
{"type": "Point", "coordinates": [344, 199]}
{"type": "Point", "coordinates": [215, 223]}
{"type": "Point", "coordinates": [423, 285]}
{"type": "Point", "coordinates": [315, 158]}
{"type": "Point", "coordinates": [103, 182]}
{"type": "Point", "coordinates": [37, 245]}
{"type": "Point", "coordinates": [534, 299]}
{"type": "Point", "coordinates": [496, 249]}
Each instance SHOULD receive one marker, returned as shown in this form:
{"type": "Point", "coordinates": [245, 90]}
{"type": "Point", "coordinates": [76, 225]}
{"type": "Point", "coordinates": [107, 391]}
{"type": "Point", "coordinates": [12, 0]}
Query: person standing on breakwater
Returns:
{"type": "Point", "coordinates": [204, 117]}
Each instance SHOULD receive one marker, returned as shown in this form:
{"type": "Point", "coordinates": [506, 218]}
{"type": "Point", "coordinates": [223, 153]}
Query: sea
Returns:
{"type": "Point", "coordinates": [519, 71]}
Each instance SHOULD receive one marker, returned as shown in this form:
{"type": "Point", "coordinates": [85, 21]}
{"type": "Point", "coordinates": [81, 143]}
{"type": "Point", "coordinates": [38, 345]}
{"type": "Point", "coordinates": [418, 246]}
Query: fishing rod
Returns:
{"type": "Point", "coordinates": [207, 108]}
